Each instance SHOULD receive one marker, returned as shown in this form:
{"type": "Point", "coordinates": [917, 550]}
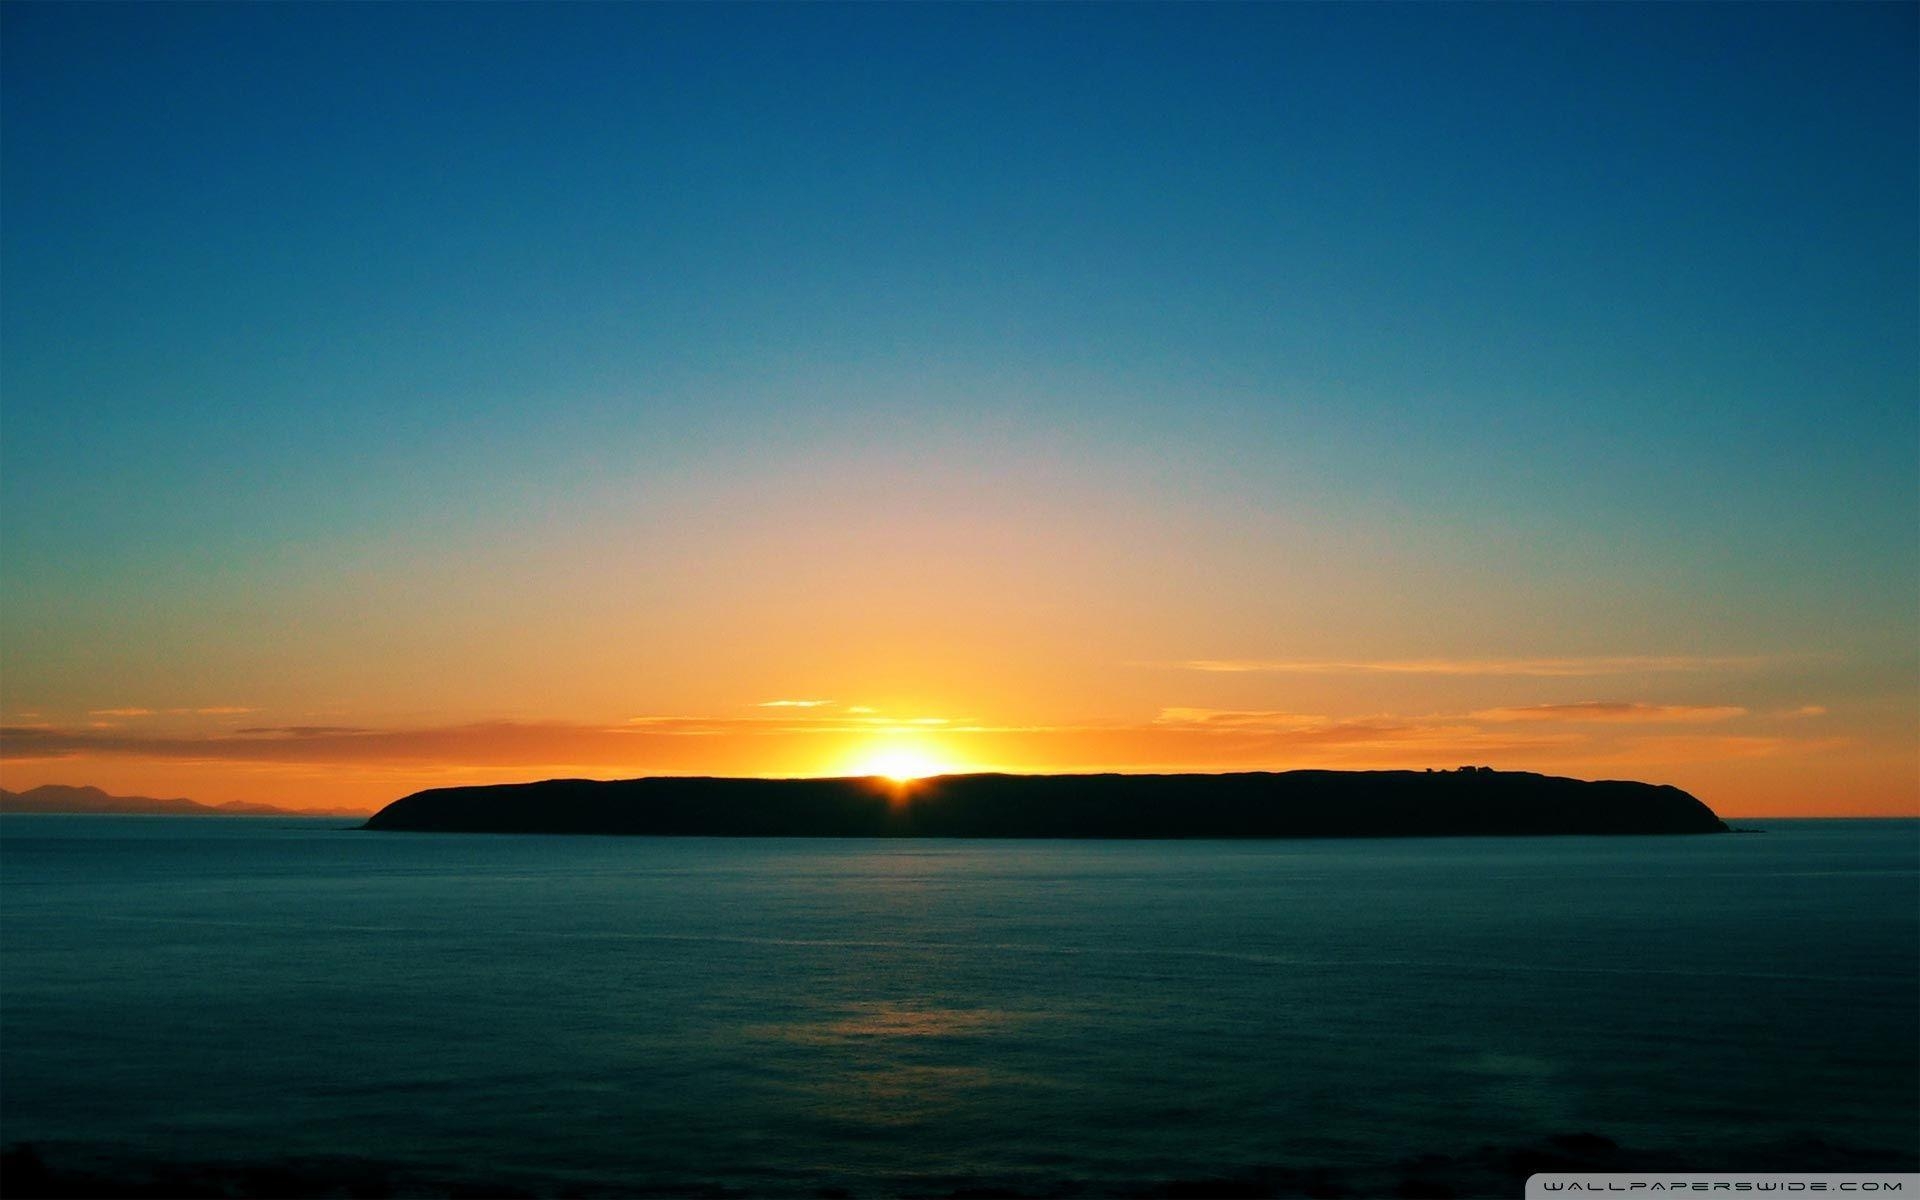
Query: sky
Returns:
{"type": "Point", "coordinates": [394, 396]}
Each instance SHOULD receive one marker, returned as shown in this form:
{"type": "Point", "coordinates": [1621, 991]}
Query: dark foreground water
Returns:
{"type": "Point", "coordinates": [620, 1015]}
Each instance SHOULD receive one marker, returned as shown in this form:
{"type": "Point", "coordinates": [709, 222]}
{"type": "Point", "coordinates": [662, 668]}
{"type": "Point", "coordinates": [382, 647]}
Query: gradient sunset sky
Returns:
{"type": "Point", "coordinates": [400, 396]}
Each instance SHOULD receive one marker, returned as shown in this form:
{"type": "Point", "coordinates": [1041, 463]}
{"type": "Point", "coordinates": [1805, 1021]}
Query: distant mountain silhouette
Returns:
{"type": "Point", "coordinates": [1472, 801]}
{"type": "Point", "coordinates": [60, 798]}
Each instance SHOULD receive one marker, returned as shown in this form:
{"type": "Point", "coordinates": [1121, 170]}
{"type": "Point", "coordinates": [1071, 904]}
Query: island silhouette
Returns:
{"type": "Point", "coordinates": [71, 800]}
{"type": "Point", "coordinates": [1471, 801]}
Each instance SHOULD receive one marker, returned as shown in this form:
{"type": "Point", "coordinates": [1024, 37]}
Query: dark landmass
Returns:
{"type": "Point", "coordinates": [59, 798]}
{"type": "Point", "coordinates": [29, 1172]}
{"type": "Point", "coordinates": [1473, 801]}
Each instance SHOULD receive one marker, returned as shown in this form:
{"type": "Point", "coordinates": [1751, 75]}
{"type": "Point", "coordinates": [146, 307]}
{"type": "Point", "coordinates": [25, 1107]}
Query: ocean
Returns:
{"type": "Point", "coordinates": [223, 999]}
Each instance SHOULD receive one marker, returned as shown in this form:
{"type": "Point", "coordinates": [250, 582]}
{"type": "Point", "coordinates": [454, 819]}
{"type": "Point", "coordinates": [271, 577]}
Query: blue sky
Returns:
{"type": "Point", "coordinates": [1612, 308]}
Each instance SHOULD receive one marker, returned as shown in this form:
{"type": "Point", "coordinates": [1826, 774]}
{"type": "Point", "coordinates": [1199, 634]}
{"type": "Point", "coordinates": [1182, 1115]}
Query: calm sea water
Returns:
{"type": "Point", "coordinates": [793, 1015]}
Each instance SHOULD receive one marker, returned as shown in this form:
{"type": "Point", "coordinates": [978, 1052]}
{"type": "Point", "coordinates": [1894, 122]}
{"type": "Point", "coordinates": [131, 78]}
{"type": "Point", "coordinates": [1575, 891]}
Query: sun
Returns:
{"type": "Point", "coordinates": [901, 764]}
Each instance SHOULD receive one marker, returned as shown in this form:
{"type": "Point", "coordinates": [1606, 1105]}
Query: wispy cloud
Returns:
{"type": "Point", "coordinates": [1552, 737]}
{"type": "Point", "coordinates": [696, 726]}
{"type": "Point", "coordinates": [1607, 711]}
{"type": "Point", "coordinates": [803, 721]}
{"type": "Point", "coordinates": [1196, 737]}
{"type": "Point", "coordinates": [130, 713]}
{"type": "Point", "coordinates": [1228, 719]}
{"type": "Point", "coordinates": [496, 743]}
{"type": "Point", "coordinates": [1535, 667]}
{"type": "Point", "coordinates": [794, 703]}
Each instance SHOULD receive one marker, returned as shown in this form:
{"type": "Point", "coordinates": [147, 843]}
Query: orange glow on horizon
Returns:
{"type": "Point", "coordinates": [1741, 759]}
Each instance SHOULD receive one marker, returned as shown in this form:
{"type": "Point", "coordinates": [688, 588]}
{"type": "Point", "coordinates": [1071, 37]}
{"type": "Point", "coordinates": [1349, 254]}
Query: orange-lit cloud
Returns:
{"type": "Point", "coordinates": [1535, 667]}
{"type": "Point", "coordinates": [802, 722]}
{"type": "Point", "coordinates": [1213, 718]}
{"type": "Point", "coordinates": [1177, 738]}
{"type": "Point", "coordinates": [131, 713]}
{"type": "Point", "coordinates": [1596, 710]}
